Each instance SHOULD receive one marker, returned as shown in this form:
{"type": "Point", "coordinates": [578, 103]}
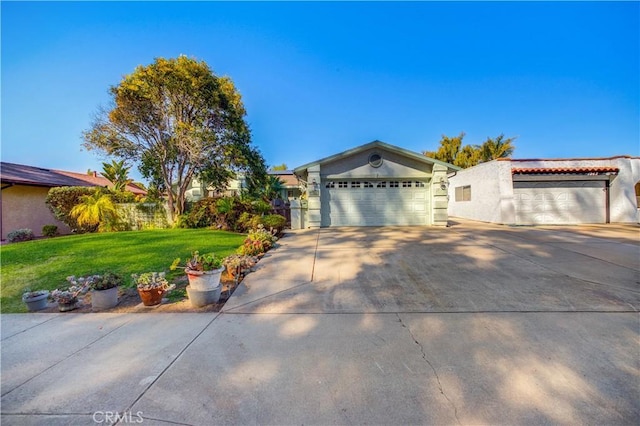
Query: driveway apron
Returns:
{"type": "Point", "coordinates": [472, 324]}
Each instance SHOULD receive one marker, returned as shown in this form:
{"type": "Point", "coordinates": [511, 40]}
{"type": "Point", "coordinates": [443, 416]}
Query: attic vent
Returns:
{"type": "Point", "coordinates": [375, 160]}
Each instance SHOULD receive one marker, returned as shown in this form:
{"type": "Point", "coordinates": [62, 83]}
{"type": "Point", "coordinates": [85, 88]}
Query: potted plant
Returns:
{"type": "Point", "coordinates": [68, 298]}
{"type": "Point", "coordinates": [203, 272]}
{"type": "Point", "coordinates": [239, 264]}
{"type": "Point", "coordinates": [104, 291]}
{"type": "Point", "coordinates": [151, 287]}
{"type": "Point", "coordinates": [35, 300]}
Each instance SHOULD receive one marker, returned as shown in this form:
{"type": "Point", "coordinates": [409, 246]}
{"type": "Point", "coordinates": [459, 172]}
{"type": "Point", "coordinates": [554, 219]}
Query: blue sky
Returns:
{"type": "Point", "coordinates": [320, 78]}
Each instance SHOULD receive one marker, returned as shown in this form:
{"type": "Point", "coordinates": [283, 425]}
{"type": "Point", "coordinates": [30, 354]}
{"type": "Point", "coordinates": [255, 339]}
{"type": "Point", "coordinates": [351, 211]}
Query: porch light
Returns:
{"type": "Point", "coordinates": [443, 184]}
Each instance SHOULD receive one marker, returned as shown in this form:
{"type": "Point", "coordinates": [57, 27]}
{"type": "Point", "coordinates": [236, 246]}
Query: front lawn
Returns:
{"type": "Point", "coordinates": [44, 264]}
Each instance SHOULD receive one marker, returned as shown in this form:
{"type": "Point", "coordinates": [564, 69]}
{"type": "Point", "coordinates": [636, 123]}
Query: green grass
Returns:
{"type": "Point", "coordinates": [44, 264]}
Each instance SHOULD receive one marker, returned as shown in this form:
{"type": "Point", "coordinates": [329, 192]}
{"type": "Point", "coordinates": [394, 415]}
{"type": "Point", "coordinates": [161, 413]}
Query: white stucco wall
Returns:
{"type": "Point", "coordinates": [491, 192]}
{"type": "Point", "coordinates": [492, 188]}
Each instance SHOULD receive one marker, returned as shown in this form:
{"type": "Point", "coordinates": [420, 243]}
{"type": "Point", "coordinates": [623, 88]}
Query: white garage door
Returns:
{"type": "Point", "coordinates": [375, 203]}
{"type": "Point", "coordinates": [559, 202]}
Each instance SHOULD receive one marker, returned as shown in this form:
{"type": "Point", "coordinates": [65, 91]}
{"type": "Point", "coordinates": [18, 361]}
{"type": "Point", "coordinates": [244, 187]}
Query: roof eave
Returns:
{"type": "Point", "coordinates": [374, 144]}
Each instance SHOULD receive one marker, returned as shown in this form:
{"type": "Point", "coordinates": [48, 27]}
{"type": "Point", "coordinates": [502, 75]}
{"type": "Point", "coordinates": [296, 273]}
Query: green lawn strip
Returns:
{"type": "Point", "coordinates": [44, 264]}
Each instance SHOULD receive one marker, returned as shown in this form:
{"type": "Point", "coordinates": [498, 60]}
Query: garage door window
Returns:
{"type": "Point", "coordinates": [330, 185]}
{"type": "Point", "coordinates": [419, 184]}
{"type": "Point", "coordinates": [406, 184]}
{"type": "Point", "coordinates": [393, 184]}
{"type": "Point", "coordinates": [381, 185]}
{"type": "Point", "coordinates": [355, 184]}
{"type": "Point", "coordinates": [368, 185]}
{"type": "Point", "coordinates": [343, 184]}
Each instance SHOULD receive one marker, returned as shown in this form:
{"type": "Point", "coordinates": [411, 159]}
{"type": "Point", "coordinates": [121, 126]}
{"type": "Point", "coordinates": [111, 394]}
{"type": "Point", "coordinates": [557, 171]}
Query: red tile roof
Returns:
{"type": "Point", "coordinates": [565, 170]}
{"type": "Point", "coordinates": [97, 180]}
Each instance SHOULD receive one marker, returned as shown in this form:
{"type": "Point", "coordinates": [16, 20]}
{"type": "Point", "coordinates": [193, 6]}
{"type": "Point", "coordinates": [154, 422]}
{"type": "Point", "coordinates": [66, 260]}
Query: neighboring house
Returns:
{"type": "Point", "coordinates": [290, 184]}
{"type": "Point", "coordinates": [545, 191]}
{"type": "Point", "coordinates": [25, 189]}
{"type": "Point", "coordinates": [376, 184]}
{"type": "Point", "coordinates": [291, 187]}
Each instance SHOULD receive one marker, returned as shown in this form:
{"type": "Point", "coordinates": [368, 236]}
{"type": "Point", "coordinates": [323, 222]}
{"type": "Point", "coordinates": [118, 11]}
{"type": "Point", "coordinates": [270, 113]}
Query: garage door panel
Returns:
{"type": "Point", "coordinates": [375, 206]}
{"type": "Point", "coordinates": [560, 202]}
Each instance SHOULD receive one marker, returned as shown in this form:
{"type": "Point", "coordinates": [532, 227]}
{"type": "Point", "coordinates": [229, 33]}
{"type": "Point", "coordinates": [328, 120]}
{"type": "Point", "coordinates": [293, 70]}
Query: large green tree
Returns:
{"type": "Point", "coordinates": [177, 120]}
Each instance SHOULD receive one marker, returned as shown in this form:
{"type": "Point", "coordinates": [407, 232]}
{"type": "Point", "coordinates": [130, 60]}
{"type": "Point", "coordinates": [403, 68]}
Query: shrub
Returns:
{"type": "Point", "coordinates": [261, 207]}
{"type": "Point", "coordinates": [24, 234]}
{"type": "Point", "coordinates": [248, 221]}
{"type": "Point", "coordinates": [202, 214]}
{"type": "Point", "coordinates": [97, 210]}
{"type": "Point", "coordinates": [62, 199]}
{"type": "Point", "coordinates": [257, 242]}
{"type": "Point", "coordinates": [50, 230]}
{"type": "Point", "coordinates": [274, 221]}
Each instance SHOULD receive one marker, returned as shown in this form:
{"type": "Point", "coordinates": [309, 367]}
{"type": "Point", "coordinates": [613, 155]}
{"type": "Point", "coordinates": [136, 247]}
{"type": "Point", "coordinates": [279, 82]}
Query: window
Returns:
{"type": "Point", "coordinates": [381, 185]}
{"type": "Point", "coordinates": [343, 184]}
{"type": "Point", "coordinates": [355, 184]}
{"type": "Point", "coordinates": [330, 185]}
{"type": "Point", "coordinates": [375, 160]}
{"type": "Point", "coordinates": [393, 184]}
{"type": "Point", "coordinates": [419, 184]}
{"type": "Point", "coordinates": [406, 184]}
{"type": "Point", "coordinates": [368, 185]}
{"type": "Point", "coordinates": [463, 193]}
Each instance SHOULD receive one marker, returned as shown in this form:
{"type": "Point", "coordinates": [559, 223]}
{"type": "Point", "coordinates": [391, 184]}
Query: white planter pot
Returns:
{"type": "Point", "coordinates": [203, 298]}
{"type": "Point", "coordinates": [104, 299]}
{"type": "Point", "coordinates": [204, 281]}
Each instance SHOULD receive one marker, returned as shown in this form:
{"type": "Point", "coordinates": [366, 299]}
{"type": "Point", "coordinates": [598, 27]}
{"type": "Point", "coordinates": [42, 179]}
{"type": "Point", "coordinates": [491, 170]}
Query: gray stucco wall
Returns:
{"type": "Point", "coordinates": [393, 165]}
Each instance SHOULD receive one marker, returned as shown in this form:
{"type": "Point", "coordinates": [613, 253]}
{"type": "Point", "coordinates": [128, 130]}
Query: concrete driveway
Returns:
{"type": "Point", "coordinates": [472, 324]}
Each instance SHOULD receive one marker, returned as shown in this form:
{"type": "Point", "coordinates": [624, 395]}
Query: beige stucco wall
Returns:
{"type": "Point", "coordinates": [24, 207]}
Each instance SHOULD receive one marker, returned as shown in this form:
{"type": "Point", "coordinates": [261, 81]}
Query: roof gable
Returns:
{"type": "Point", "coordinates": [381, 145]}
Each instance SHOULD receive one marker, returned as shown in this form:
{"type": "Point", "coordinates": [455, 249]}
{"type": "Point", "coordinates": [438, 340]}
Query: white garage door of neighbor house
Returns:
{"type": "Point", "coordinates": [375, 203]}
{"type": "Point", "coordinates": [559, 202]}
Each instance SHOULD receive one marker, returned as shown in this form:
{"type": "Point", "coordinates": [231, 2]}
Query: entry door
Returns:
{"type": "Point", "coordinates": [560, 202]}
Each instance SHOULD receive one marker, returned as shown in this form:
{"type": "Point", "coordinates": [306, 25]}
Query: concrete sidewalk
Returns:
{"type": "Point", "coordinates": [475, 324]}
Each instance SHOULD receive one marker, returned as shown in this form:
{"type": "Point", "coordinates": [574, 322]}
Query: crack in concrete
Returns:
{"type": "Point", "coordinates": [435, 373]}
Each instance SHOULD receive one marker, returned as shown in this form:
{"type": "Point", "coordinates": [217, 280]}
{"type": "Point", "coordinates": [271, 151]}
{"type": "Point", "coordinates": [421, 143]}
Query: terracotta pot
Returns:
{"type": "Point", "coordinates": [151, 297]}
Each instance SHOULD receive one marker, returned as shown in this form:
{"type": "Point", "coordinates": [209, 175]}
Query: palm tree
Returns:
{"type": "Point", "coordinates": [96, 210]}
{"type": "Point", "coordinates": [496, 148]}
{"type": "Point", "coordinates": [273, 188]}
{"type": "Point", "coordinates": [117, 173]}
